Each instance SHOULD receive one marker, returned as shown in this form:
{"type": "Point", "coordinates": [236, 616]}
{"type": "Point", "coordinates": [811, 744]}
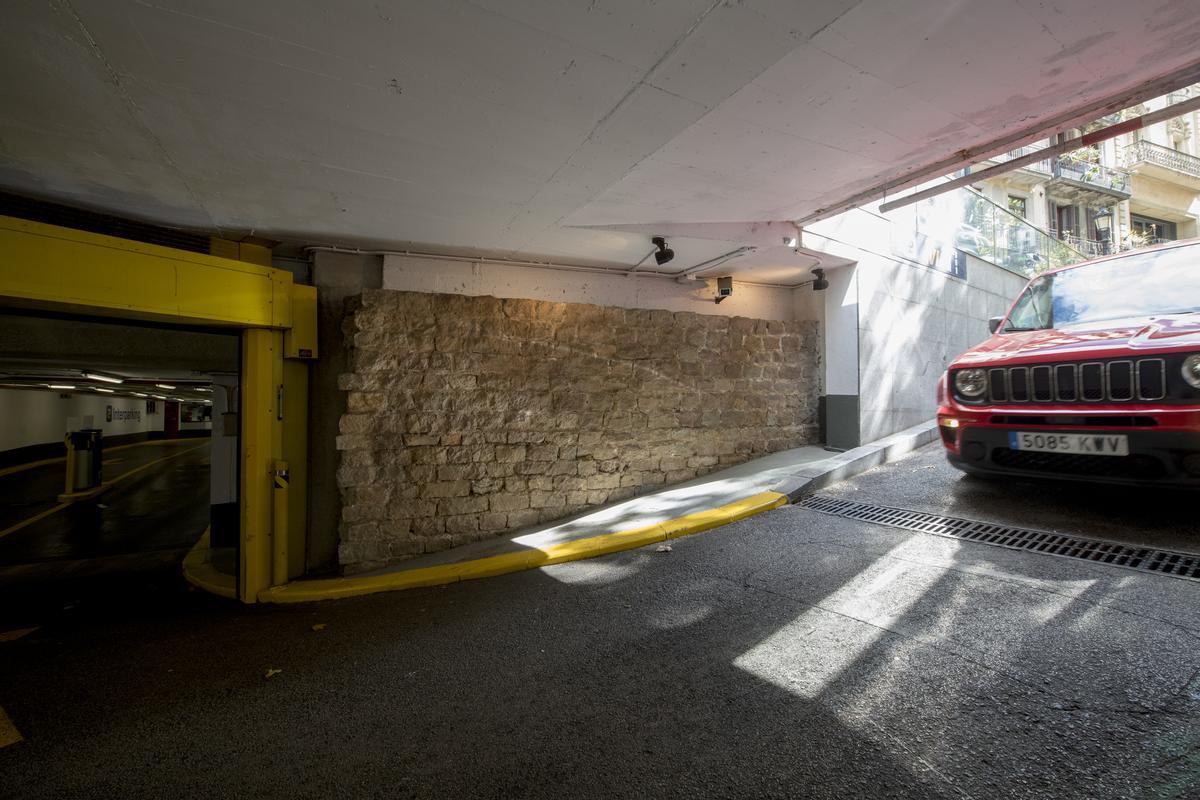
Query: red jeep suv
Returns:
{"type": "Point", "coordinates": [1094, 374]}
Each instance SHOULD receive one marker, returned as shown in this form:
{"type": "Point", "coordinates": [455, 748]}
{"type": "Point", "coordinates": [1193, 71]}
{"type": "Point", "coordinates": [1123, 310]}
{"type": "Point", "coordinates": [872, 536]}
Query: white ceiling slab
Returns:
{"type": "Point", "coordinates": [502, 126]}
{"type": "Point", "coordinates": [889, 88]}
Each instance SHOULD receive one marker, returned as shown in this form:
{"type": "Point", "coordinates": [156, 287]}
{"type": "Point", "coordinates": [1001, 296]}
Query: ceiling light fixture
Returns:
{"type": "Point", "coordinates": [166, 386]}
{"type": "Point", "coordinates": [59, 386]}
{"type": "Point", "coordinates": [96, 376]}
{"type": "Point", "coordinates": [158, 397]}
{"type": "Point", "coordinates": [663, 254]}
{"type": "Point", "coordinates": [140, 394]}
{"type": "Point", "coordinates": [819, 283]}
{"type": "Point", "coordinates": [102, 389]}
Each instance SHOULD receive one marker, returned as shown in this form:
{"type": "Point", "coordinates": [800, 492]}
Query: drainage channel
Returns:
{"type": "Point", "coordinates": [1143, 559]}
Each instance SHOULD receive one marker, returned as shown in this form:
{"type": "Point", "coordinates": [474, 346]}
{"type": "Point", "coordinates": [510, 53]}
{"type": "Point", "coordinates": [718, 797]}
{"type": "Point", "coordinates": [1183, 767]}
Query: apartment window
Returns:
{"type": "Point", "coordinates": [1151, 228]}
{"type": "Point", "coordinates": [1066, 220]}
{"type": "Point", "coordinates": [1018, 206]}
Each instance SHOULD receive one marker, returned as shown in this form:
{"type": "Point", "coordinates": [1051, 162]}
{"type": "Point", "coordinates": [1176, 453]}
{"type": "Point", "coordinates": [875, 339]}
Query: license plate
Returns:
{"type": "Point", "coordinates": [1092, 444]}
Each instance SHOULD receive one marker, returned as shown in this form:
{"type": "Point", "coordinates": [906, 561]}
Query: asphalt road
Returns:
{"type": "Point", "coordinates": [793, 654]}
{"type": "Point", "coordinates": [924, 481]}
{"type": "Point", "coordinates": [156, 510]}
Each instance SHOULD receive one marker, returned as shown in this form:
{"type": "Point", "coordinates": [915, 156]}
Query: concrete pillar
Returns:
{"type": "Point", "coordinates": [337, 276]}
{"type": "Point", "coordinates": [840, 399]}
{"type": "Point", "coordinates": [223, 491]}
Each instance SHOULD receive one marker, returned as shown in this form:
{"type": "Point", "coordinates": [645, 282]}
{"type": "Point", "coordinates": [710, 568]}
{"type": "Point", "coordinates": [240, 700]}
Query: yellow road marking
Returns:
{"type": "Point", "coordinates": [122, 476]}
{"type": "Point", "coordinates": [13, 635]}
{"type": "Point", "coordinates": [8, 732]}
{"type": "Point", "coordinates": [36, 517]}
{"type": "Point", "coordinates": [32, 464]}
{"type": "Point", "coordinates": [149, 464]}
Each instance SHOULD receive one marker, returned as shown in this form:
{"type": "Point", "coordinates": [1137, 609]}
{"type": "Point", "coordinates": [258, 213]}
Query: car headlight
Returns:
{"type": "Point", "coordinates": [970, 382]}
{"type": "Point", "coordinates": [1191, 370]}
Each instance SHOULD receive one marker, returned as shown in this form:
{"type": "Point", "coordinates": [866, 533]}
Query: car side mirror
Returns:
{"type": "Point", "coordinates": [994, 323]}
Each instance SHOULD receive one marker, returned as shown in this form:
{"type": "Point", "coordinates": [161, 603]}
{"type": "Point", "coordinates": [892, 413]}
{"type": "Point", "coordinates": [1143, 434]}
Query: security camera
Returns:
{"type": "Point", "coordinates": [724, 288]}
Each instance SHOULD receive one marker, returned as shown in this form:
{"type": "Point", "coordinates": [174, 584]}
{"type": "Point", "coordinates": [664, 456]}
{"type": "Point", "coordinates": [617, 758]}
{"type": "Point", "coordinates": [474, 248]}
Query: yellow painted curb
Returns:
{"type": "Point", "coordinates": [353, 586]}
{"type": "Point", "coordinates": [9, 734]}
{"type": "Point", "coordinates": [203, 575]}
{"type": "Point", "coordinates": [15, 468]}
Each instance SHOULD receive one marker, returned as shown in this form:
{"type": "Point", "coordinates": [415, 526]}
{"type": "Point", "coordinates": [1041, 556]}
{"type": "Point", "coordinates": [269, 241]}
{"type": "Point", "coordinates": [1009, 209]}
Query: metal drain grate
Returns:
{"type": "Point", "coordinates": [1145, 559]}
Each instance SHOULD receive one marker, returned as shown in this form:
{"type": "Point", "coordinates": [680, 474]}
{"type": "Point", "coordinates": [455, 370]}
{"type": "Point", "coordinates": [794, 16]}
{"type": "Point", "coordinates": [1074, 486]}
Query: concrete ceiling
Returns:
{"type": "Point", "coordinates": [35, 350]}
{"type": "Point", "coordinates": [513, 127]}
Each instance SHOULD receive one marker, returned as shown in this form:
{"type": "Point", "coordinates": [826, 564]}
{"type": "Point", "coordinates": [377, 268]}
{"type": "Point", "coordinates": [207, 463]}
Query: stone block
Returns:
{"type": "Point", "coordinates": [462, 524]}
{"type": "Point", "coordinates": [487, 485]}
{"type": "Point", "coordinates": [446, 489]}
{"type": "Point", "coordinates": [508, 502]}
{"type": "Point", "coordinates": [540, 499]}
{"type": "Point", "coordinates": [365, 402]}
{"type": "Point", "coordinates": [473, 504]}
{"type": "Point", "coordinates": [510, 453]}
{"type": "Point", "coordinates": [523, 519]}
{"type": "Point", "coordinates": [547, 452]}
{"type": "Point", "coordinates": [610, 481]}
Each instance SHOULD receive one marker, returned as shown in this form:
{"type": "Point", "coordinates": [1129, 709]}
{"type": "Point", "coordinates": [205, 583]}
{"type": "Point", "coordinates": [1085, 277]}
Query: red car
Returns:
{"type": "Point", "coordinates": [1094, 374]}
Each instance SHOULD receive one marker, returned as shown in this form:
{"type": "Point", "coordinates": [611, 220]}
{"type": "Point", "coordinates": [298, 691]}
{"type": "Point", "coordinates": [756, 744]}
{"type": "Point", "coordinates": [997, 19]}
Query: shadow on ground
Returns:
{"type": "Point", "coordinates": [789, 655]}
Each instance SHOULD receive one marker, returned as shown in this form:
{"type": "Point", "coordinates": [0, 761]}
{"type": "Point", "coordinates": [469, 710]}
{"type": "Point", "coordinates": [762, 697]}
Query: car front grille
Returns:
{"type": "Point", "coordinates": [1079, 382]}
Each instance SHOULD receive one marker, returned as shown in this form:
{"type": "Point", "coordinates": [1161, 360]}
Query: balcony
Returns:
{"type": "Point", "coordinates": [1029, 175]}
{"type": "Point", "coordinates": [1086, 182]}
{"type": "Point", "coordinates": [1163, 163]}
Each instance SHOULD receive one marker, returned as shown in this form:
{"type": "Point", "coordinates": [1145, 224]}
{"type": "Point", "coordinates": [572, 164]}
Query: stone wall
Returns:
{"type": "Point", "coordinates": [468, 417]}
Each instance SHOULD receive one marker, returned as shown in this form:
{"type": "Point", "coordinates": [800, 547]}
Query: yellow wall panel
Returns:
{"type": "Point", "coordinates": [46, 264]}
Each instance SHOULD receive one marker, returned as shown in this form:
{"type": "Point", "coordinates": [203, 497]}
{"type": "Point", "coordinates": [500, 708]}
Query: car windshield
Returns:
{"type": "Point", "coordinates": [1148, 284]}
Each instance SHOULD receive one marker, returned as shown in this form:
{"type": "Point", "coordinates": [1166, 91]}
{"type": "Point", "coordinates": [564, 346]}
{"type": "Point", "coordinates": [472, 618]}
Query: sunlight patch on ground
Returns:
{"type": "Point", "coordinates": [641, 511]}
{"type": "Point", "coordinates": [809, 654]}
{"type": "Point", "coordinates": [590, 572]}
{"type": "Point", "coordinates": [677, 616]}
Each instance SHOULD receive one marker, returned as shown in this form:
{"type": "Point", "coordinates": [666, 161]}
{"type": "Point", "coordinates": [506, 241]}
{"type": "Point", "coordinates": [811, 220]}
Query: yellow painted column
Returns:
{"type": "Point", "coordinates": [262, 446]}
{"type": "Point", "coordinates": [295, 452]}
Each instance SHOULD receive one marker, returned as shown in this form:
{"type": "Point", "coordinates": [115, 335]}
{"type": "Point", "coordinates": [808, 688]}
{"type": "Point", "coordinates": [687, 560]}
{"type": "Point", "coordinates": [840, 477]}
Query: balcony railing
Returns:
{"type": "Point", "coordinates": [1037, 166]}
{"type": "Point", "coordinates": [1179, 95]}
{"type": "Point", "coordinates": [1097, 175]}
{"type": "Point", "coordinates": [1150, 153]}
{"type": "Point", "coordinates": [1088, 247]}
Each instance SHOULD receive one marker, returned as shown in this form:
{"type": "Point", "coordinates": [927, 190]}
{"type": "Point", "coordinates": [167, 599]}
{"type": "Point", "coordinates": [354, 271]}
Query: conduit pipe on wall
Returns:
{"type": "Point", "coordinates": [691, 273]}
{"type": "Point", "coordinates": [623, 271]}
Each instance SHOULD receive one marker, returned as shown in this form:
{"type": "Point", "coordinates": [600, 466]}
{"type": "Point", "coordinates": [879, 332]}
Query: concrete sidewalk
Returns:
{"type": "Point", "coordinates": [793, 473]}
{"type": "Point", "coordinates": [678, 510]}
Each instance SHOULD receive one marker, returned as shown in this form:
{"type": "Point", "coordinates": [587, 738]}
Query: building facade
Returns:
{"type": "Point", "coordinates": [1139, 189]}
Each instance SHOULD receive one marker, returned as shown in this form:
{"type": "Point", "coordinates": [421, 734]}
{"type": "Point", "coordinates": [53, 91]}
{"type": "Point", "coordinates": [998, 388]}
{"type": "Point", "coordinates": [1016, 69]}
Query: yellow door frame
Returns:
{"type": "Point", "coordinates": [48, 267]}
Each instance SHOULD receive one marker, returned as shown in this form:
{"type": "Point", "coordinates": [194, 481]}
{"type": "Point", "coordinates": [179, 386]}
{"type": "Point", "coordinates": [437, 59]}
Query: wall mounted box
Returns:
{"type": "Point", "coordinates": [300, 340]}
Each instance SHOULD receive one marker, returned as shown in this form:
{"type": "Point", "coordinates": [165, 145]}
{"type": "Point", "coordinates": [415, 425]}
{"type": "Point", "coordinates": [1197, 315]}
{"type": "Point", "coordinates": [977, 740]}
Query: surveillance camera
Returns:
{"type": "Point", "coordinates": [724, 288]}
{"type": "Point", "coordinates": [790, 241]}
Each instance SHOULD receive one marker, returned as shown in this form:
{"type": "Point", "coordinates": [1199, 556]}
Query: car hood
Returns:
{"type": "Point", "coordinates": [1135, 335]}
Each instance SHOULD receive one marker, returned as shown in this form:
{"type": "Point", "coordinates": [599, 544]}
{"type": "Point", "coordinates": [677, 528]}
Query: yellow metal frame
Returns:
{"type": "Point", "coordinates": [48, 267]}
